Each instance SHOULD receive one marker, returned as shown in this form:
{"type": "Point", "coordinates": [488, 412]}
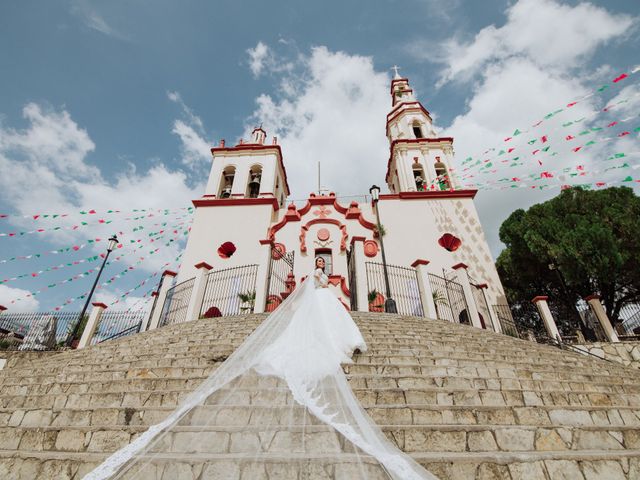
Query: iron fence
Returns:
{"type": "Point", "coordinates": [449, 300]}
{"type": "Point", "coordinates": [590, 322]}
{"type": "Point", "coordinates": [508, 325]}
{"type": "Point", "coordinates": [231, 291]}
{"type": "Point", "coordinates": [403, 283]}
{"type": "Point", "coordinates": [353, 286]}
{"type": "Point", "coordinates": [176, 303]}
{"type": "Point", "coordinates": [629, 328]}
{"type": "Point", "coordinates": [37, 330]}
{"type": "Point", "coordinates": [117, 325]}
{"type": "Point", "coordinates": [280, 278]}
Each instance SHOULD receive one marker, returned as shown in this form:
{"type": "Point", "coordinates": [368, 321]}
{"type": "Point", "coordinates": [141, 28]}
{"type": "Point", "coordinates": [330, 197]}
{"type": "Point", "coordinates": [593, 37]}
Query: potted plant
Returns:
{"type": "Point", "coordinates": [248, 299]}
{"type": "Point", "coordinates": [376, 301]}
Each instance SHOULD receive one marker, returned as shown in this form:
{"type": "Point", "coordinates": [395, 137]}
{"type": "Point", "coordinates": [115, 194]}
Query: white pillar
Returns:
{"type": "Point", "coordinates": [240, 180]}
{"type": "Point", "coordinates": [165, 284]}
{"type": "Point", "coordinates": [601, 315]}
{"type": "Point", "coordinates": [197, 292]}
{"type": "Point", "coordinates": [492, 315]}
{"type": "Point", "coordinates": [463, 279]}
{"type": "Point", "coordinates": [92, 324]}
{"type": "Point", "coordinates": [545, 312]}
{"type": "Point", "coordinates": [424, 286]}
{"type": "Point", "coordinates": [262, 276]}
{"type": "Point", "coordinates": [147, 320]}
{"type": "Point", "coordinates": [357, 249]}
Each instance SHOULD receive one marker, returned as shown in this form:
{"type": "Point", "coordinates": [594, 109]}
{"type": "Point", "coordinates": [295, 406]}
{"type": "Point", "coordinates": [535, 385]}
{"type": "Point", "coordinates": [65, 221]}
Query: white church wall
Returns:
{"type": "Point", "coordinates": [243, 225]}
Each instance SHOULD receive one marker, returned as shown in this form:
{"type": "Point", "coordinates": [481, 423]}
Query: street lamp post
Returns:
{"type": "Point", "coordinates": [113, 241]}
{"type": "Point", "coordinates": [389, 303]}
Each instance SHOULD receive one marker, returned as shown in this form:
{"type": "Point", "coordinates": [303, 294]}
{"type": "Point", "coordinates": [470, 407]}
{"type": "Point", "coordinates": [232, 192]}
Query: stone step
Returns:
{"type": "Point", "coordinates": [574, 465]}
{"type": "Point", "coordinates": [361, 362]}
{"type": "Point", "coordinates": [383, 414]}
{"type": "Point", "coordinates": [248, 438]}
{"type": "Point", "coordinates": [153, 396]}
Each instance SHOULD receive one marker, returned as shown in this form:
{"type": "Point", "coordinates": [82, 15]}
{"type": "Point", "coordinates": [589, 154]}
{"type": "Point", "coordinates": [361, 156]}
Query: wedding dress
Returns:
{"type": "Point", "coordinates": [279, 407]}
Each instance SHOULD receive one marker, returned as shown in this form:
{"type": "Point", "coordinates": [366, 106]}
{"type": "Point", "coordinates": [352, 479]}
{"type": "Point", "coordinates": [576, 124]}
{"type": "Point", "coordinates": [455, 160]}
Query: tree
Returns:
{"type": "Point", "coordinates": [590, 238]}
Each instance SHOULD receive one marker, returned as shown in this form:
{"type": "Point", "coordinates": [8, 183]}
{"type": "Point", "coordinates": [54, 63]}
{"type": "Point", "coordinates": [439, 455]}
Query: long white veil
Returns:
{"type": "Point", "coordinates": [280, 406]}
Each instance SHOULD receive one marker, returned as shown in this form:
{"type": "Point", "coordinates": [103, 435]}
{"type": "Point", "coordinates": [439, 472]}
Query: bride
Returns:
{"type": "Point", "coordinates": [289, 372]}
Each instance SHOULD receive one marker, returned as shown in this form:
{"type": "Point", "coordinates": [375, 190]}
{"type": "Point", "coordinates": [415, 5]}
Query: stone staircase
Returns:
{"type": "Point", "coordinates": [465, 403]}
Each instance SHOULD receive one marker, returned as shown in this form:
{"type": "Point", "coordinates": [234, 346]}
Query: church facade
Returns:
{"type": "Point", "coordinates": [432, 236]}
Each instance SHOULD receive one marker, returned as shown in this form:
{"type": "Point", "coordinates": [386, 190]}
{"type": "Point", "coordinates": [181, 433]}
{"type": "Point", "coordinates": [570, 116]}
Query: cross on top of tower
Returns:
{"type": "Point", "coordinates": [395, 69]}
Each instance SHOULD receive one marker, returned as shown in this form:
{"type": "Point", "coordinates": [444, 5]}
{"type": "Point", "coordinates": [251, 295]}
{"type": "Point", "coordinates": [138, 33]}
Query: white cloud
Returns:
{"type": "Point", "coordinates": [548, 33]}
{"type": "Point", "coordinates": [134, 303]}
{"type": "Point", "coordinates": [257, 57]}
{"type": "Point", "coordinates": [25, 304]}
{"type": "Point", "coordinates": [48, 172]}
{"type": "Point", "coordinates": [262, 60]}
{"type": "Point", "coordinates": [196, 151]}
{"type": "Point", "coordinates": [521, 71]}
{"type": "Point", "coordinates": [93, 20]}
{"type": "Point", "coordinates": [333, 112]}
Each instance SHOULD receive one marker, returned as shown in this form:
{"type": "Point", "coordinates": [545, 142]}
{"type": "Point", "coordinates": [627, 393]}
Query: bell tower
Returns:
{"type": "Point", "coordinates": [419, 160]}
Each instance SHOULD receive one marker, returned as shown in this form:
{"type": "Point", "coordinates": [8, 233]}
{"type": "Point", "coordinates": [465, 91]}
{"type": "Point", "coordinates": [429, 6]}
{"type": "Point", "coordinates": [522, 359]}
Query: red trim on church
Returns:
{"type": "Point", "coordinates": [99, 304]}
{"type": "Point", "coordinates": [592, 297]}
{"type": "Point", "coordinates": [464, 193]}
{"type": "Point", "coordinates": [294, 214]}
{"type": "Point", "coordinates": [410, 141]}
{"type": "Point", "coordinates": [409, 107]}
{"type": "Point", "coordinates": [420, 261]}
{"type": "Point", "coordinates": [305, 228]}
{"type": "Point", "coordinates": [253, 146]}
{"type": "Point", "coordinates": [227, 202]}
{"type": "Point", "coordinates": [169, 273]}
{"type": "Point", "coordinates": [203, 265]}
{"type": "Point", "coordinates": [460, 265]}
{"type": "Point", "coordinates": [538, 298]}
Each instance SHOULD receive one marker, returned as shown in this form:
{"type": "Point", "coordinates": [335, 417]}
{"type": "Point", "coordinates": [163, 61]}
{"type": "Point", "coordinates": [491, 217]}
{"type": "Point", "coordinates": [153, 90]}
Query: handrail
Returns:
{"type": "Point", "coordinates": [567, 346]}
{"type": "Point", "coordinates": [123, 333]}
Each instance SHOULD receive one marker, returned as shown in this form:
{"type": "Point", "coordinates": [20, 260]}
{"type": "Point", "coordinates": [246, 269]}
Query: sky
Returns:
{"type": "Point", "coordinates": [114, 106]}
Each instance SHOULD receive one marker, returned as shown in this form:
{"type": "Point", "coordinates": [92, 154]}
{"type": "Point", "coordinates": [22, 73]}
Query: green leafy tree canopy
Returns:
{"type": "Point", "coordinates": [591, 239]}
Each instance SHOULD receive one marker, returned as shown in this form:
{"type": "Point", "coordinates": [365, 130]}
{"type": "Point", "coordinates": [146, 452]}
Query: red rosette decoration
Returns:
{"type": "Point", "coordinates": [226, 250]}
{"type": "Point", "coordinates": [212, 312]}
{"type": "Point", "coordinates": [449, 242]}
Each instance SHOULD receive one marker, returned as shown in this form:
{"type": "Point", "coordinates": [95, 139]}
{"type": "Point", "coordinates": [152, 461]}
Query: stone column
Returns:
{"type": "Point", "coordinates": [601, 315]}
{"type": "Point", "coordinates": [262, 276]}
{"type": "Point", "coordinates": [424, 285]}
{"type": "Point", "coordinates": [92, 324]}
{"type": "Point", "coordinates": [165, 284]}
{"type": "Point", "coordinates": [492, 315]}
{"type": "Point", "coordinates": [463, 279]}
{"type": "Point", "coordinates": [357, 249]}
{"type": "Point", "coordinates": [549, 323]}
{"type": "Point", "coordinates": [197, 292]}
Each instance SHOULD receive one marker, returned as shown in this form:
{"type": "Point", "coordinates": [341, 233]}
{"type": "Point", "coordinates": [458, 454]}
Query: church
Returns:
{"type": "Point", "coordinates": [436, 264]}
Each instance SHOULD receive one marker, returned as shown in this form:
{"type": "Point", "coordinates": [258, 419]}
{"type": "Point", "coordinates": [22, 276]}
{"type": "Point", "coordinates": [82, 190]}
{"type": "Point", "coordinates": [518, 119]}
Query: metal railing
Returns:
{"type": "Point", "coordinates": [117, 325]}
{"type": "Point", "coordinates": [403, 283]}
{"type": "Point", "coordinates": [280, 270]}
{"type": "Point", "coordinates": [176, 304]}
{"type": "Point", "coordinates": [352, 274]}
{"type": "Point", "coordinates": [449, 300]}
{"type": "Point", "coordinates": [37, 330]}
{"type": "Point", "coordinates": [231, 291]}
{"type": "Point", "coordinates": [508, 325]}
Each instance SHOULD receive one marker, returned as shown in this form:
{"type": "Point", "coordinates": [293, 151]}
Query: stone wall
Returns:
{"type": "Point", "coordinates": [626, 353]}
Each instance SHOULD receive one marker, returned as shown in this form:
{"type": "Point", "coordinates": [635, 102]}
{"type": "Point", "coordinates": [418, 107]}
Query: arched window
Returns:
{"type": "Point", "coordinates": [253, 185]}
{"type": "Point", "coordinates": [442, 175]}
{"type": "Point", "coordinates": [417, 130]}
{"type": "Point", "coordinates": [226, 182]}
{"type": "Point", "coordinates": [419, 178]}
{"type": "Point", "coordinates": [328, 262]}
